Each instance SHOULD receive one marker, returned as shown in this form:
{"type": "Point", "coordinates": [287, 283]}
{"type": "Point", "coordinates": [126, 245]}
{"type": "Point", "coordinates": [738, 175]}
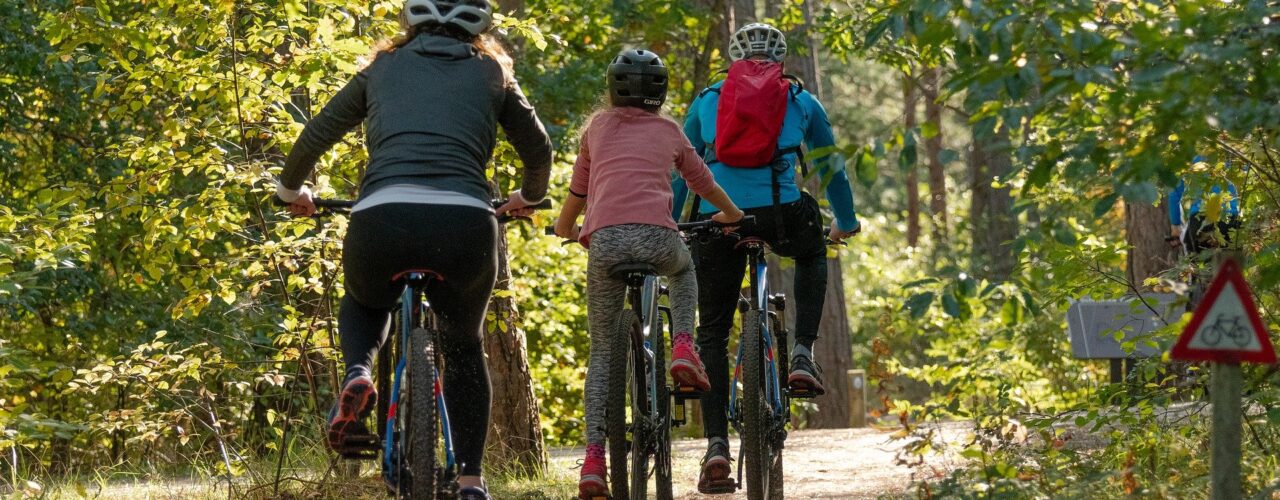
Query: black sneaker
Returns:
{"type": "Point", "coordinates": [715, 477]}
{"type": "Point", "coordinates": [805, 380]}
{"type": "Point", "coordinates": [473, 493]}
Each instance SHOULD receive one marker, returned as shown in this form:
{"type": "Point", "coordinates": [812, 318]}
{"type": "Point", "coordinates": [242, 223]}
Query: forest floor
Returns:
{"type": "Point", "coordinates": [839, 463]}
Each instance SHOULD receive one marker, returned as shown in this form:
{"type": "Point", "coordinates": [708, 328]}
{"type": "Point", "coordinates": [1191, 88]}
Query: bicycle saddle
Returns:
{"type": "Point", "coordinates": [624, 270]}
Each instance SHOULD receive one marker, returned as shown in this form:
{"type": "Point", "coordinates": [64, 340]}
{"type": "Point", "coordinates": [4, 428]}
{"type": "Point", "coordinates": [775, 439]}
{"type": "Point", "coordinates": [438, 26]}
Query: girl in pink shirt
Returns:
{"type": "Point", "coordinates": [623, 179]}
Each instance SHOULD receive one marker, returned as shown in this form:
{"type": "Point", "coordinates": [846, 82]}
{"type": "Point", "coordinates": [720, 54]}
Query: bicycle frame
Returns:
{"type": "Point", "coordinates": [644, 300]}
{"type": "Point", "coordinates": [413, 312]}
{"type": "Point", "coordinates": [759, 279]}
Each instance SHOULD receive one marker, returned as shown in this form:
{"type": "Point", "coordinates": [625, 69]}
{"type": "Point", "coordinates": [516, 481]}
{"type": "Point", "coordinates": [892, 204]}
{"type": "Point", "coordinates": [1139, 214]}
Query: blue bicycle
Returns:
{"type": "Point", "coordinates": [761, 412]}
{"type": "Point", "coordinates": [416, 441]}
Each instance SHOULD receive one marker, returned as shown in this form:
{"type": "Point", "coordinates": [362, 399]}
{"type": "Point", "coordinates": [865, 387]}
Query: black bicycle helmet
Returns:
{"type": "Point", "coordinates": [637, 78]}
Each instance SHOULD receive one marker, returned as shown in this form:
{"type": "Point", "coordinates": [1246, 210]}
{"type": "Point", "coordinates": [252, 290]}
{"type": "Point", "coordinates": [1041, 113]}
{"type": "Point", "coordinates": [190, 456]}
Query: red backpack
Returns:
{"type": "Point", "coordinates": [753, 104]}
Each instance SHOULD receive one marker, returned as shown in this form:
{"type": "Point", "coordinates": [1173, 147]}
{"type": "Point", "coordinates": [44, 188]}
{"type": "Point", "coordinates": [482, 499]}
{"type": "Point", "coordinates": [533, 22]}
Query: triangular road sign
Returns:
{"type": "Point", "coordinates": [1225, 327]}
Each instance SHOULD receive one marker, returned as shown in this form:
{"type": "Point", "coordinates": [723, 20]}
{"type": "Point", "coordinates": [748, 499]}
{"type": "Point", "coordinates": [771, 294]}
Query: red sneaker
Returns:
{"type": "Point", "coordinates": [593, 483]}
{"type": "Point", "coordinates": [354, 404]}
{"type": "Point", "coordinates": [686, 366]}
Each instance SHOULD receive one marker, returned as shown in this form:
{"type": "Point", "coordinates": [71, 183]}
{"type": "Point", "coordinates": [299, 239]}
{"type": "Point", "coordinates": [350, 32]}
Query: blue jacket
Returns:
{"type": "Point", "coordinates": [806, 122]}
{"type": "Point", "coordinates": [1231, 208]}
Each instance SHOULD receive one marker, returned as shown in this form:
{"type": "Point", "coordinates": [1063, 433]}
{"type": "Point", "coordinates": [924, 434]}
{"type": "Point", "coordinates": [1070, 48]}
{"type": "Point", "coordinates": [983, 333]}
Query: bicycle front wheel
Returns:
{"type": "Point", "coordinates": [757, 418]}
{"type": "Point", "coordinates": [420, 428]}
{"type": "Point", "coordinates": [662, 432]}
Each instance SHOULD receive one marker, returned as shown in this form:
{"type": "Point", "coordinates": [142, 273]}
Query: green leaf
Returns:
{"type": "Point", "coordinates": [919, 303]}
{"type": "Point", "coordinates": [864, 168]}
{"type": "Point", "coordinates": [929, 130]}
{"type": "Point", "coordinates": [1104, 205]}
{"type": "Point", "coordinates": [907, 158]}
{"type": "Point", "coordinates": [950, 305]}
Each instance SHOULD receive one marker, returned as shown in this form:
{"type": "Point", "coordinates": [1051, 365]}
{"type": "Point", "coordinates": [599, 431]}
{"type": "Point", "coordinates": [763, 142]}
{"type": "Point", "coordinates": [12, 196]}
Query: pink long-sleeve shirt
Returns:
{"type": "Point", "coordinates": [624, 168]}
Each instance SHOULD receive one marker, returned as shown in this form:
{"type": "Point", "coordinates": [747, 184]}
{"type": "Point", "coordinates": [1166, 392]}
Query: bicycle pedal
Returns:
{"type": "Point", "coordinates": [803, 393]}
{"type": "Point", "coordinates": [360, 447]}
{"type": "Point", "coordinates": [684, 392]}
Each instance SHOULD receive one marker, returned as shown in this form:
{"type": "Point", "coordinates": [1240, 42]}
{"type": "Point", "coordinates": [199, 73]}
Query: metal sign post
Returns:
{"type": "Point", "coordinates": [1226, 331]}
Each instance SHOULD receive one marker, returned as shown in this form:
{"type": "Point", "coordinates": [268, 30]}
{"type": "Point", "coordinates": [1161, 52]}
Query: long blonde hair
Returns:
{"type": "Point", "coordinates": [485, 44]}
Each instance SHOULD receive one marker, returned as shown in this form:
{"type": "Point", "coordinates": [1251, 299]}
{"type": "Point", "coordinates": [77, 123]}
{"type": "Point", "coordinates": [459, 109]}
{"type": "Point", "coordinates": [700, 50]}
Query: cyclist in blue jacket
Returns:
{"type": "Point", "coordinates": [793, 228]}
{"type": "Point", "coordinates": [1192, 231]}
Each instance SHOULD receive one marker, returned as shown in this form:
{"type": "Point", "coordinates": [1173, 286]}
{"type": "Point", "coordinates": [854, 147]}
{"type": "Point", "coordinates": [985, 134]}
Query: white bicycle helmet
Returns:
{"type": "Point", "coordinates": [757, 39]}
{"type": "Point", "coordinates": [473, 16]}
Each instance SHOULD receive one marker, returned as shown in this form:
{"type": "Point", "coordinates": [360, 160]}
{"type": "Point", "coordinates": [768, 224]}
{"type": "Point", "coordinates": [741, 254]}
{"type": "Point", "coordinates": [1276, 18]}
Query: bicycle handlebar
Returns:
{"type": "Point", "coordinates": [711, 224]}
{"type": "Point", "coordinates": [331, 204]}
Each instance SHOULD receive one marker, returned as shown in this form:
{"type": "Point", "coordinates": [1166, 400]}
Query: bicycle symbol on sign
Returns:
{"type": "Point", "coordinates": [1227, 328]}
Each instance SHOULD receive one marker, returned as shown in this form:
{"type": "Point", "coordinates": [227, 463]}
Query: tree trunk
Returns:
{"type": "Point", "coordinates": [909, 98]}
{"type": "Point", "coordinates": [515, 432]}
{"type": "Point", "coordinates": [834, 348]}
{"type": "Point", "coordinates": [743, 13]}
{"type": "Point", "coordinates": [1146, 226]}
{"type": "Point", "coordinates": [933, 150]}
{"type": "Point", "coordinates": [991, 210]}
{"type": "Point", "coordinates": [717, 38]}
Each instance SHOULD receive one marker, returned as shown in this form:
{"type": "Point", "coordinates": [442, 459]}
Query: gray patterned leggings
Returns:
{"type": "Point", "coordinates": [657, 245]}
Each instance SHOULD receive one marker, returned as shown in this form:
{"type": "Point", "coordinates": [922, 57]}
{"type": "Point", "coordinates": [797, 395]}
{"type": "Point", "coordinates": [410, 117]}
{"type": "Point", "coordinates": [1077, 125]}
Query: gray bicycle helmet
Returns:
{"type": "Point", "coordinates": [637, 78]}
{"type": "Point", "coordinates": [473, 16]}
{"type": "Point", "coordinates": [757, 39]}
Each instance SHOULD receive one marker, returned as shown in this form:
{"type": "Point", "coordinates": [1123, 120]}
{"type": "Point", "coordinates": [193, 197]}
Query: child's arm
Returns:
{"type": "Point", "coordinates": [567, 225]}
{"type": "Point", "coordinates": [729, 213]}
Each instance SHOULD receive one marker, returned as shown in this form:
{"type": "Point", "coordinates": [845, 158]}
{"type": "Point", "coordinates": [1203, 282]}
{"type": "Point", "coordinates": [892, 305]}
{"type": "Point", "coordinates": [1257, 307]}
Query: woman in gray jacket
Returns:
{"type": "Point", "coordinates": [432, 100]}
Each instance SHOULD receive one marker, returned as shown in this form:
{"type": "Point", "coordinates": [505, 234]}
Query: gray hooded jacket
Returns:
{"type": "Point", "coordinates": [432, 107]}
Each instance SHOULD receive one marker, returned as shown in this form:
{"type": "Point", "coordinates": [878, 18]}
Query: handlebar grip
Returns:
{"type": "Point", "coordinates": [318, 202]}
{"type": "Point", "coordinates": [545, 204]}
{"type": "Point", "coordinates": [549, 231]}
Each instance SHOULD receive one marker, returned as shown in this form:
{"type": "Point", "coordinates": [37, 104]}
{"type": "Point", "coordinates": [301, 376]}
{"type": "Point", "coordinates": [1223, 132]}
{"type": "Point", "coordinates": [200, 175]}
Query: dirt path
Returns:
{"type": "Point", "coordinates": [842, 463]}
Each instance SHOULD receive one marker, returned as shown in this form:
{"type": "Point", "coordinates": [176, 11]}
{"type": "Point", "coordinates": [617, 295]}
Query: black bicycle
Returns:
{"type": "Point", "coordinates": [639, 441]}
{"type": "Point", "coordinates": [415, 438]}
{"type": "Point", "coordinates": [761, 413]}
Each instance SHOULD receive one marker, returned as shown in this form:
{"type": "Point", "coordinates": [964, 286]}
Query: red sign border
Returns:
{"type": "Point", "coordinates": [1182, 350]}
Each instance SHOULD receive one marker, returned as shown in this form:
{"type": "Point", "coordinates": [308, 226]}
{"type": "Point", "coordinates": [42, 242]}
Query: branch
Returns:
{"type": "Point", "coordinates": [1132, 288]}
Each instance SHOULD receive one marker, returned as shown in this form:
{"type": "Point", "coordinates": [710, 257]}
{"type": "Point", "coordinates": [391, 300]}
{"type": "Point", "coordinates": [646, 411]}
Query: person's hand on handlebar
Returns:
{"type": "Point", "coordinates": [836, 234]}
{"type": "Point", "coordinates": [300, 203]}
{"type": "Point", "coordinates": [568, 231]}
{"type": "Point", "coordinates": [1175, 237]}
{"type": "Point", "coordinates": [516, 206]}
{"type": "Point", "coordinates": [729, 219]}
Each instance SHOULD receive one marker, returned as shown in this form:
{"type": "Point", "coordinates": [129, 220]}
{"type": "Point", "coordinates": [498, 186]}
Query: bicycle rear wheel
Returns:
{"type": "Point", "coordinates": [420, 427]}
{"type": "Point", "coordinates": [616, 405]}
{"type": "Point", "coordinates": [641, 438]}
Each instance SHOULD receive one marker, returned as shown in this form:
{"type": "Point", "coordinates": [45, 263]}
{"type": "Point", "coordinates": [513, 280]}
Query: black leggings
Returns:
{"type": "Point", "coordinates": [459, 243]}
{"type": "Point", "coordinates": [720, 268]}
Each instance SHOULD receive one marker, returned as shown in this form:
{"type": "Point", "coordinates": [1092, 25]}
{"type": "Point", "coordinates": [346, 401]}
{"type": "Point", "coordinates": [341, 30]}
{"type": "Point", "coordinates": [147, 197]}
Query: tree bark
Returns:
{"type": "Point", "coordinates": [834, 348]}
{"type": "Point", "coordinates": [1146, 227]}
{"type": "Point", "coordinates": [933, 150]}
{"type": "Point", "coordinates": [743, 13]}
{"type": "Point", "coordinates": [909, 99]}
{"type": "Point", "coordinates": [515, 431]}
{"type": "Point", "coordinates": [716, 40]}
{"type": "Point", "coordinates": [993, 225]}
